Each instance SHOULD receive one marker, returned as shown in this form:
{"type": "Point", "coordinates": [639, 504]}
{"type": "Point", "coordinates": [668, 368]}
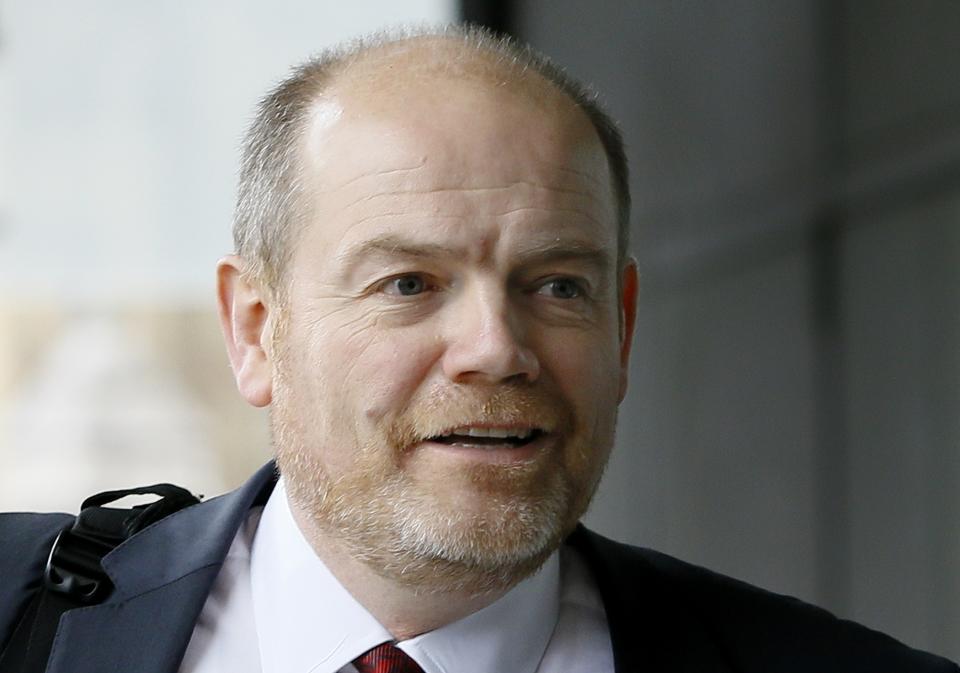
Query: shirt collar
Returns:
{"type": "Point", "coordinates": [510, 634]}
{"type": "Point", "coordinates": [308, 623]}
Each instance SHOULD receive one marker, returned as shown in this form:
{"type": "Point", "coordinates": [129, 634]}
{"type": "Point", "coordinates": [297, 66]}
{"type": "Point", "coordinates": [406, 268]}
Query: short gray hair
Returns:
{"type": "Point", "coordinates": [269, 209]}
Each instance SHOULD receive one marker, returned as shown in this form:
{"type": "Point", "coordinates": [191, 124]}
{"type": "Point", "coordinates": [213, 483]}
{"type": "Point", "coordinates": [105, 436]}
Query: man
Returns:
{"type": "Point", "coordinates": [432, 293]}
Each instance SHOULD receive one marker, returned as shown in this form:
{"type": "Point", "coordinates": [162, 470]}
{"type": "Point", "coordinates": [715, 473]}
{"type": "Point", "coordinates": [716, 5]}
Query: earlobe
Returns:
{"type": "Point", "coordinates": [244, 314]}
{"type": "Point", "coordinates": [629, 289]}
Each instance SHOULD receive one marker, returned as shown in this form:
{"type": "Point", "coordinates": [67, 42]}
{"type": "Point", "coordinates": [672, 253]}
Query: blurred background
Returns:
{"type": "Point", "coordinates": [794, 411]}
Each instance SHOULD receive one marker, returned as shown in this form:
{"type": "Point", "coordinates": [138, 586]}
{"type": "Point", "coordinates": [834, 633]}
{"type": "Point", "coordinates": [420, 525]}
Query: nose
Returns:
{"type": "Point", "coordinates": [485, 342]}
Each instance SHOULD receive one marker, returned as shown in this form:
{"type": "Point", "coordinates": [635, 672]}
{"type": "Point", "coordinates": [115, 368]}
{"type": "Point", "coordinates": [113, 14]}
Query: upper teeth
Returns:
{"type": "Point", "coordinates": [499, 433]}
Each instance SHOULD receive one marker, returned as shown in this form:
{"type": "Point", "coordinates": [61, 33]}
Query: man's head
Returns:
{"type": "Point", "coordinates": [433, 294]}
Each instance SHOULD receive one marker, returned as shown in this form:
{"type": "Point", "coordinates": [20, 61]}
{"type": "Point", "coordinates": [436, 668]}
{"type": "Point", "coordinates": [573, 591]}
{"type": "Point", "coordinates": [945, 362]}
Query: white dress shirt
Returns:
{"type": "Point", "coordinates": [276, 608]}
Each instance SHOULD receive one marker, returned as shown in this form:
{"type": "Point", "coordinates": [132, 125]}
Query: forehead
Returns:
{"type": "Point", "coordinates": [458, 146]}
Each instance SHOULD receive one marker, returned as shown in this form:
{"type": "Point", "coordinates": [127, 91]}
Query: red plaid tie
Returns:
{"type": "Point", "coordinates": [386, 658]}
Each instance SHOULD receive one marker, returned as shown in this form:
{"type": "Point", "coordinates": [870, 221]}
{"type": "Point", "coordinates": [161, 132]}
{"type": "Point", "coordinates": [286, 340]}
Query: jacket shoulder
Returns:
{"type": "Point", "coordinates": [25, 542]}
{"type": "Point", "coordinates": [754, 629]}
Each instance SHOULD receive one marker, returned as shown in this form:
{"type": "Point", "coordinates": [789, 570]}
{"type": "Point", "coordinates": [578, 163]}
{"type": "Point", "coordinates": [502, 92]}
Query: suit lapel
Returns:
{"type": "Point", "coordinates": [148, 633]}
{"type": "Point", "coordinates": [161, 579]}
{"type": "Point", "coordinates": [651, 629]}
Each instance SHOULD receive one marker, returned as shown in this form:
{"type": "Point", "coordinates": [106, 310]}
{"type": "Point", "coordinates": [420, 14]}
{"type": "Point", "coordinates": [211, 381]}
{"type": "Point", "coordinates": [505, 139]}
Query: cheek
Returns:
{"type": "Point", "coordinates": [587, 373]}
{"type": "Point", "coordinates": [381, 369]}
{"type": "Point", "coordinates": [585, 366]}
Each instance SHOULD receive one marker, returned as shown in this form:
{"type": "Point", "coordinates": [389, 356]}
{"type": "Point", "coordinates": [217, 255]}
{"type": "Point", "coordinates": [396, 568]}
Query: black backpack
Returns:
{"type": "Point", "coordinates": [73, 576]}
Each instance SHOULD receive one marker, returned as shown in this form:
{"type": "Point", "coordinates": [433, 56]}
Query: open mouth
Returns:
{"type": "Point", "coordinates": [492, 437]}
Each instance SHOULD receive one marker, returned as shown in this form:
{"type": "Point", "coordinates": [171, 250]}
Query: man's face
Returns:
{"type": "Point", "coordinates": [451, 355]}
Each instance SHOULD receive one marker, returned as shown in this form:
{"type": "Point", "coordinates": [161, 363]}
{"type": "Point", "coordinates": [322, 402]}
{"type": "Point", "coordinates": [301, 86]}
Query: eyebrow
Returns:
{"type": "Point", "coordinates": [562, 251]}
{"type": "Point", "coordinates": [391, 245]}
{"type": "Point", "coordinates": [395, 247]}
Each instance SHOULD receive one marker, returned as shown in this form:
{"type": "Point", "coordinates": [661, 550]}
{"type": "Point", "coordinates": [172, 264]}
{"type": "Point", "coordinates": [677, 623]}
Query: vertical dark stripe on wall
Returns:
{"type": "Point", "coordinates": [494, 14]}
{"type": "Point", "coordinates": [832, 463]}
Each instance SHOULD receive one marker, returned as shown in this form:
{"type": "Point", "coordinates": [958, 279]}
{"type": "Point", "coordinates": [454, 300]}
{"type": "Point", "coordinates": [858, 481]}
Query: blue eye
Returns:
{"type": "Point", "coordinates": [562, 288]}
{"type": "Point", "coordinates": [406, 286]}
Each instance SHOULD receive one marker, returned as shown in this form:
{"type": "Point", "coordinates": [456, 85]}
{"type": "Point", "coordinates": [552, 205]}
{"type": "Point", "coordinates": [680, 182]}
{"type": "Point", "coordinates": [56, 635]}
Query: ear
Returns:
{"type": "Point", "coordinates": [244, 318]}
{"type": "Point", "coordinates": [629, 288]}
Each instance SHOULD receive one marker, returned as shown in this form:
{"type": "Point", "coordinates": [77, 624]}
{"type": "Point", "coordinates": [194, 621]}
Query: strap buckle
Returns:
{"type": "Point", "coordinates": [73, 567]}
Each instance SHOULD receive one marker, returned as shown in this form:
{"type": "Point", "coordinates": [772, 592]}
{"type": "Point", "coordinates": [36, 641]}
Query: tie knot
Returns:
{"type": "Point", "coordinates": [386, 658]}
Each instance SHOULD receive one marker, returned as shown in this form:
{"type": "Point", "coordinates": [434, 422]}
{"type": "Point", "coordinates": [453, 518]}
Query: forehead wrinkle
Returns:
{"type": "Point", "coordinates": [375, 174]}
{"type": "Point", "coordinates": [476, 190]}
{"type": "Point", "coordinates": [459, 216]}
{"type": "Point", "coordinates": [405, 214]}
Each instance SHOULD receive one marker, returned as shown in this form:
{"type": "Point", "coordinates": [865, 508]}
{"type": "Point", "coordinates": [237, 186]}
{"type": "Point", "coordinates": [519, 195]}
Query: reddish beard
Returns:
{"type": "Point", "coordinates": [416, 529]}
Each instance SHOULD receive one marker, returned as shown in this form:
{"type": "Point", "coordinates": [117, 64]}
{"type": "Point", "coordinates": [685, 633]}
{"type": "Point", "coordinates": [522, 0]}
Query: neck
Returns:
{"type": "Point", "coordinates": [404, 610]}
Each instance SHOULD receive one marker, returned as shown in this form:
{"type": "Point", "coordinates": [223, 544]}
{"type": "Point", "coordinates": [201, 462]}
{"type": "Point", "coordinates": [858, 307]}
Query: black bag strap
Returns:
{"type": "Point", "coordinates": [74, 577]}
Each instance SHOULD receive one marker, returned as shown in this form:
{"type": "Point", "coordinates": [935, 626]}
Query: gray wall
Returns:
{"type": "Point", "coordinates": [793, 412]}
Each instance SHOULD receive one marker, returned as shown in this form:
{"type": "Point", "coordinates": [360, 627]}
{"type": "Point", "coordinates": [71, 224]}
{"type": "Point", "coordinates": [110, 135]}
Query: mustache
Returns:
{"type": "Point", "coordinates": [508, 405]}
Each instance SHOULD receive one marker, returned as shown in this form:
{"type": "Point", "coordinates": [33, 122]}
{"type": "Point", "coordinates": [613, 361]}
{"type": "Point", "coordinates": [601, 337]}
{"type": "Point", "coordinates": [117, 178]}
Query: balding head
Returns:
{"type": "Point", "coordinates": [378, 74]}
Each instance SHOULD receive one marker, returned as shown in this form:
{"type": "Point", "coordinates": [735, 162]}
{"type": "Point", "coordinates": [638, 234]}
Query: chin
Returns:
{"type": "Point", "coordinates": [477, 551]}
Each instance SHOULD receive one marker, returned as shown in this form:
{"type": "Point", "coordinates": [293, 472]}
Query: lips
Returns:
{"type": "Point", "coordinates": [488, 436]}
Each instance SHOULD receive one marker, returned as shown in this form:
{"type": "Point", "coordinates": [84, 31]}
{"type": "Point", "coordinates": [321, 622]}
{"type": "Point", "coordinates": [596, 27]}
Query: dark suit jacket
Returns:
{"type": "Point", "coordinates": [664, 615]}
